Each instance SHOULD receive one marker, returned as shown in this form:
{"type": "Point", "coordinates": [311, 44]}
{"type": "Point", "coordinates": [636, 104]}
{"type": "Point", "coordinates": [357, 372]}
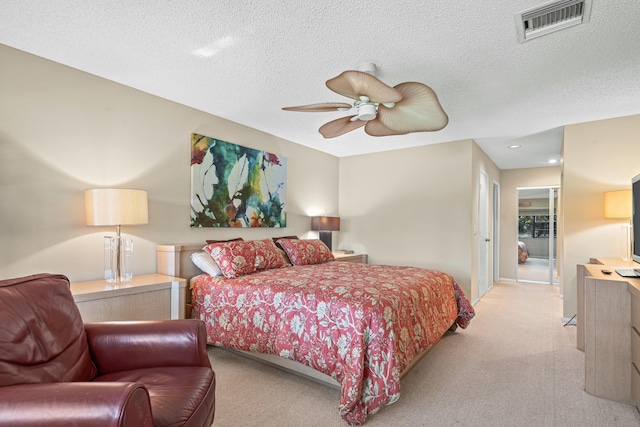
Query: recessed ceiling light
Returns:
{"type": "Point", "coordinates": [514, 146]}
{"type": "Point", "coordinates": [552, 161]}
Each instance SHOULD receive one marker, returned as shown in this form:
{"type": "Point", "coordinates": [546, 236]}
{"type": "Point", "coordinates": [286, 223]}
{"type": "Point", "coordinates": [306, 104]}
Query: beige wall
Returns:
{"type": "Point", "coordinates": [598, 156]}
{"type": "Point", "coordinates": [415, 206]}
{"type": "Point", "coordinates": [511, 180]}
{"type": "Point", "coordinates": [63, 131]}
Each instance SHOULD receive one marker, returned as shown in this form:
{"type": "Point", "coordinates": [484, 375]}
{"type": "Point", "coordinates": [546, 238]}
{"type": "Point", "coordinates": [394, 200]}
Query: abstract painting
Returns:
{"type": "Point", "coordinates": [236, 186]}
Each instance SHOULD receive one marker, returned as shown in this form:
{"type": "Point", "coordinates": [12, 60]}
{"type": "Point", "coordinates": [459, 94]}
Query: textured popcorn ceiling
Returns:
{"type": "Point", "coordinates": [244, 60]}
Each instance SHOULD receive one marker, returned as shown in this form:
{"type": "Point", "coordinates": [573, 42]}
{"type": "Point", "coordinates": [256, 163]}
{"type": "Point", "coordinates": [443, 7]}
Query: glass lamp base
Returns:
{"type": "Point", "coordinates": [118, 259]}
{"type": "Point", "coordinates": [625, 242]}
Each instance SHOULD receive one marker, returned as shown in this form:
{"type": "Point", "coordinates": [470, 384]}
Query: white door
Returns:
{"type": "Point", "coordinates": [483, 233]}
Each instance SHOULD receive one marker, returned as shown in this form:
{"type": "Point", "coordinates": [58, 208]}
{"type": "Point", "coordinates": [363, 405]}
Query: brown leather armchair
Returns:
{"type": "Point", "coordinates": [57, 371]}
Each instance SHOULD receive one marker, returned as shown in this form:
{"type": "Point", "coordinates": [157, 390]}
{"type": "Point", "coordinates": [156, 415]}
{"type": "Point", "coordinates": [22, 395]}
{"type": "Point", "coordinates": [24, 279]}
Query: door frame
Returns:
{"type": "Point", "coordinates": [483, 233]}
{"type": "Point", "coordinates": [553, 195]}
{"type": "Point", "coordinates": [496, 231]}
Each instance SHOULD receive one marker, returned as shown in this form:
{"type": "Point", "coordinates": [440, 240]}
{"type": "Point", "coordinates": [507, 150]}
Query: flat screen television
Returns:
{"type": "Point", "coordinates": [635, 218]}
{"type": "Point", "coordinates": [635, 230]}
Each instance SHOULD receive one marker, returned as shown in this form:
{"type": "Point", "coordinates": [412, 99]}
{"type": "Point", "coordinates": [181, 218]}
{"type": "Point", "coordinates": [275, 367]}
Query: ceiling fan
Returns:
{"type": "Point", "coordinates": [382, 110]}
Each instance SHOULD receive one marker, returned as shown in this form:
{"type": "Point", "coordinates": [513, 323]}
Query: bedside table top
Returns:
{"type": "Point", "coordinates": [341, 256]}
{"type": "Point", "coordinates": [137, 284]}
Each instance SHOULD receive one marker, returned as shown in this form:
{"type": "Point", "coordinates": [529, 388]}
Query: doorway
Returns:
{"type": "Point", "coordinates": [537, 233]}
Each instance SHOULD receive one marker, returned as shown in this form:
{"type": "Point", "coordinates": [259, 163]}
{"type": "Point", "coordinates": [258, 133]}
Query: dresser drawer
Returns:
{"type": "Point", "coordinates": [635, 384]}
{"type": "Point", "coordinates": [635, 346]}
{"type": "Point", "coordinates": [635, 349]}
{"type": "Point", "coordinates": [635, 311]}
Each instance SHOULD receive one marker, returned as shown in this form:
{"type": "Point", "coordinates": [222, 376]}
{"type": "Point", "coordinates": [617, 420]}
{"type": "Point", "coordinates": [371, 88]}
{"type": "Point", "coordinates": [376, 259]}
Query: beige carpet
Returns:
{"type": "Point", "coordinates": [516, 365]}
{"type": "Point", "coordinates": [536, 270]}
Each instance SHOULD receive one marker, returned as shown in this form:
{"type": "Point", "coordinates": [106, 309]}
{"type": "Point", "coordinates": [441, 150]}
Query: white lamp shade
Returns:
{"type": "Point", "coordinates": [116, 206]}
{"type": "Point", "coordinates": [617, 204]}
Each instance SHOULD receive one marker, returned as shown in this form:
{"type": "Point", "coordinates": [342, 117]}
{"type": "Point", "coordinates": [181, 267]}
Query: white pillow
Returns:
{"type": "Point", "coordinates": [205, 262]}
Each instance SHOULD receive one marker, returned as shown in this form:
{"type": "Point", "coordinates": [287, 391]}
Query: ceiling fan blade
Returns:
{"type": "Point", "coordinates": [419, 110]}
{"type": "Point", "coordinates": [340, 127]}
{"type": "Point", "coordinates": [327, 106]}
{"type": "Point", "coordinates": [354, 84]}
{"type": "Point", "coordinates": [376, 128]}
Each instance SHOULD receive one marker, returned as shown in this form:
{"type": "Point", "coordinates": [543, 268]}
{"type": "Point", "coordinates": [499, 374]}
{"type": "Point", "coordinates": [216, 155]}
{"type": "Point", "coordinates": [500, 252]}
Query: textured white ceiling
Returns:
{"type": "Point", "coordinates": [245, 60]}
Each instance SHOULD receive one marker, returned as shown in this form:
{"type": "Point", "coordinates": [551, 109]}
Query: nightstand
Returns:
{"type": "Point", "coordinates": [341, 256]}
{"type": "Point", "coordinates": [145, 297]}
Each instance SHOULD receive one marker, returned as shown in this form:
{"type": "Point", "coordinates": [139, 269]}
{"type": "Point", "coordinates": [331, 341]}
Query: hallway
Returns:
{"type": "Point", "coordinates": [536, 270]}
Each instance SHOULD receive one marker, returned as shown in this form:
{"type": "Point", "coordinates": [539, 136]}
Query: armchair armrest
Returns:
{"type": "Point", "coordinates": [122, 346]}
{"type": "Point", "coordinates": [75, 404]}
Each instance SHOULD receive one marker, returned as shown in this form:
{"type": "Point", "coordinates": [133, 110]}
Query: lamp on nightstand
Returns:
{"type": "Point", "coordinates": [325, 225]}
{"type": "Point", "coordinates": [116, 206]}
{"type": "Point", "coordinates": [617, 205]}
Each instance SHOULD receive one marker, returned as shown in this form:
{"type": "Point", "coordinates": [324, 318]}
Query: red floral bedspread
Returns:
{"type": "Point", "coordinates": [361, 324]}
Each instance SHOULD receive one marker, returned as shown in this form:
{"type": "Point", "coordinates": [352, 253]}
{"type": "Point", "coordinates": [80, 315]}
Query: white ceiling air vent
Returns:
{"type": "Point", "coordinates": [551, 17]}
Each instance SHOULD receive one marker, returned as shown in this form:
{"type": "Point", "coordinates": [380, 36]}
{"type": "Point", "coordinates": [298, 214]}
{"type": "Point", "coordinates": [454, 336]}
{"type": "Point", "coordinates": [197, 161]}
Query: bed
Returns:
{"type": "Point", "coordinates": [359, 326]}
{"type": "Point", "coordinates": [523, 253]}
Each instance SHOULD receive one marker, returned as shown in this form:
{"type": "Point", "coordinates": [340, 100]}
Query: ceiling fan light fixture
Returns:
{"type": "Point", "coordinates": [366, 112]}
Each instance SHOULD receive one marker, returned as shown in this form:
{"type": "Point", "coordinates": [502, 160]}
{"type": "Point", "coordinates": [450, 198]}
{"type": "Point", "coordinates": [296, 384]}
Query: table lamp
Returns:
{"type": "Point", "coordinates": [325, 225]}
{"type": "Point", "coordinates": [617, 205]}
{"type": "Point", "coordinates": [116, 206]}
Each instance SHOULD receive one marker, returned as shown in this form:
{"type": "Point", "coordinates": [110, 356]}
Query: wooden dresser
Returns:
{"type": "Point", "coordinates": [608, 322]}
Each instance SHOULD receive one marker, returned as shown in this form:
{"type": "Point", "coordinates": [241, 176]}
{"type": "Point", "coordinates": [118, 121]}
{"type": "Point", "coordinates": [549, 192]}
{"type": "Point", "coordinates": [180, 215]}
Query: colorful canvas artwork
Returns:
{"type": "Point", "coordinates": [236, 186]}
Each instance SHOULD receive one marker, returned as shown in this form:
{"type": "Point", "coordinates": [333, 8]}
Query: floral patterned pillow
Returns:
{"type": "Point", "coordinates": [304, 252]}
{"type": "Point", "coordinates": [237, 258]}
{"type": "Point", "coordinates": [268, 256]}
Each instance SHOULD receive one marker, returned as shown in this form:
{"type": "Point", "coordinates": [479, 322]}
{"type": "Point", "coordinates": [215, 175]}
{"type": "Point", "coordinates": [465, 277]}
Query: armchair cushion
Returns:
{"type": "Point", "coordinates": [42, 337]}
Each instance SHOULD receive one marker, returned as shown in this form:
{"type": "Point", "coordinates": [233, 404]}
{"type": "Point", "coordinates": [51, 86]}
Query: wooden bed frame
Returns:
{"type": "Point", "coordinates": [174, 260]}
